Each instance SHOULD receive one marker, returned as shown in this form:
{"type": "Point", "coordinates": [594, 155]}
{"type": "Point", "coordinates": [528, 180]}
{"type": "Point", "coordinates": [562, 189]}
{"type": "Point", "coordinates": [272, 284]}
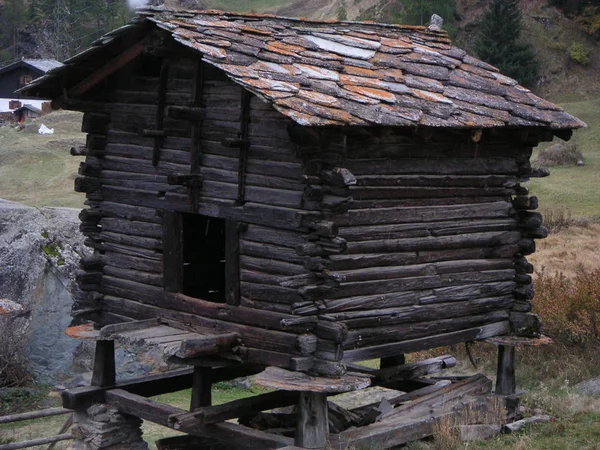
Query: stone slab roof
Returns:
{"type": "Point", "coordinates": [352, 73]}
{"type": "Point", "coordinates": [42, 65]}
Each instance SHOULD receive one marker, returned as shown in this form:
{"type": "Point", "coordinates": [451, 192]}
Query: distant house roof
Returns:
{"type": "Point", "coordinates": [343, 73]}
{"type": "Point", "coordinates": [30, 108]}
{"type": "Point", "coordinates": [39, 65]}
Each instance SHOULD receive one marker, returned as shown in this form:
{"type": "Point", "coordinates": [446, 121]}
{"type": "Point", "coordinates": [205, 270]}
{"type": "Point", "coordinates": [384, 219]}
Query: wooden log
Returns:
{"type": "Point", "coordinates": [95, 123]}
{"type": "Point", "coordinates": [348, 262]}
{"type": "Point", "coordinates": [443, 228]}
{"type": "Point", "coordinates": [353, 289]}
{"type": "Point", "coordinates": [365, 337]}
{"type": "Point", "coordinates": [207, 345]}
{"type": "Point", "coordinates": [519, 424]}
{"type": "Point", "coordinates": [48, 412]}
{"type": "Point", "coordinates": [312, 426]}
{"type": "Point", "coordinates": [425, 214]}
{"type": "Point", "coordinates": [416, 369]}
{"type": "Point", "coordinates": [414, 345]}
{"type": "Point", "coordinates": [450, 166]}
{"type": "Point", "coordinates": [78, 150]}
{"type": "Point", "coordinates": [419, 313]}
{"type": "Point", "coordinates": [36, 442]}
{"type": "Point", "coordinates": [525, 324]}
{"type": "Point", "coordinates": [469, 181]}
{"type": "Point", "coordinates": [237, 408]}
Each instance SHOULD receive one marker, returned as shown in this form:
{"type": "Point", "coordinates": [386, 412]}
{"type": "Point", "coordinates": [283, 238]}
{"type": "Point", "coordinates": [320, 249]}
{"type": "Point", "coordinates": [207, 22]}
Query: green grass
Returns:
{"type": "Point", "coordinates": [248, 5]}
{"type": "Point", "coordinates": [576, 188]}
{"type": "Point", "coordinates": [38, 170]}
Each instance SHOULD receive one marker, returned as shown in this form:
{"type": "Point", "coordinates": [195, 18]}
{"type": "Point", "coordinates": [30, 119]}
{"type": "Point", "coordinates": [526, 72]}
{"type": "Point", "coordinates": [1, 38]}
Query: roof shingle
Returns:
{"type": "Point", "coordinates": [353, 73]}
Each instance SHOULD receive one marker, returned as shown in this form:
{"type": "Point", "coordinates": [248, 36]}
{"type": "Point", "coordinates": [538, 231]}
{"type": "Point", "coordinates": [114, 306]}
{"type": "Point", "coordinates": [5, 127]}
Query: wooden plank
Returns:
{"type": "Point", "coordinates": [173, 251]}
{"type": "Point", "coordinates": [111, 67]}
{"type": "Point", "coordinates": [104, 373]}
{"type": "Point", "coordinates": [206, 345]}
{"type": "Point", "coordinates": [232, 262]}
{"type": "Point", "coordinates": [108, 331]}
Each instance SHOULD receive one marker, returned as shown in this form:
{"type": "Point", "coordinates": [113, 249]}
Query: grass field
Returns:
{"type": "Point", "coordinates": [38, 170]}
{"type": "Point", "coordinates": [576, 188]}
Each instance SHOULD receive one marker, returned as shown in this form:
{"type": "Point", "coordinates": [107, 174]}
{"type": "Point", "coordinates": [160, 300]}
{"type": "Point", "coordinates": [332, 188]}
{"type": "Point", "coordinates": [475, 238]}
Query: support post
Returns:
{"type": "Point", "coordinates": [201, 387]}
{"type": "Point", "coordinates": [104, 364]}
{"type": "Point", "coordinates": [312, 423]}
{"type": "Point", "coordinates": [392, 361]}
{"type": "Point", "coordinates": [505, 376]}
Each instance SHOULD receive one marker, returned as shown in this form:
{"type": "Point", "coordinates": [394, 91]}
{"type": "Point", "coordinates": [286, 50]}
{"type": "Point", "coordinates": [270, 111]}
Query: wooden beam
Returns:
{"type": "Point", "coordinates": [111, 67]}
{"type": "Point", "coordinates": [244, 147]}
{"type": "Point", "coordinates": [312, 424]}
{"type": "Point", "coordinates": [206, 345]}
{"type": "Point", "coordinates": [416, 369]}
{"type": "Point", "coordinates": [505, 376]}
{"type": "Point", "coordinates": [104, 364]}
{"type": "Point", "coordinates": [151, 385]}
{"type": "Point", "coordinates": [232, 262]}
{"type": "Point", "coordinates": [231, 410]}
{"type": "Point", "coordinates": [201, 387]}
{"type": "Point", "coordinates": [160, 109]}
{"type": "Point", "coordinates": [36, 442]}
{"type": "Point", "coordinates": [236, 436]}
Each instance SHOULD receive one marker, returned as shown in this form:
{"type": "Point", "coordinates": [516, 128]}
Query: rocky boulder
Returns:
{"type": "Point", "coordinates": [40, 249]}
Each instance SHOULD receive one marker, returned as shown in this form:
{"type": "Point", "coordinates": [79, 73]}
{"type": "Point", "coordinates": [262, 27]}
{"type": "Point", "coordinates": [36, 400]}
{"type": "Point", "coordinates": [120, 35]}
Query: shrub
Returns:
{"type": "Point", "coordinates": [13, 361]}
{"type": "Point", "coordinates": [569, 308]}
{"type": "Point", "coordinates": [559, 218]}
{"type": "Point", "coordinates": [579, 54]}
{"type": "Point", "coordinates": [561, 154]}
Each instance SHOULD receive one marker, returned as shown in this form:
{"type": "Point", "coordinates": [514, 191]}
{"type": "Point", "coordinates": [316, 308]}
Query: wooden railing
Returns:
{"type": "Point", "coordinates": [52, 440]}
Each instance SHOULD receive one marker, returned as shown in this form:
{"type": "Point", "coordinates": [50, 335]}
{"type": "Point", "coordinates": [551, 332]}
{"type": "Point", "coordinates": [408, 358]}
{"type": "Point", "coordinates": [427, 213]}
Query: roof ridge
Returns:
{"type": "Point", "coordinates": [218, 12]}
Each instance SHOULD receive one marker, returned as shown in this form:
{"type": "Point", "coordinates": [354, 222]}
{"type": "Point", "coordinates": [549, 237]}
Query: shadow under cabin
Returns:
{"type": "Point", "coordinates": [288, 198]}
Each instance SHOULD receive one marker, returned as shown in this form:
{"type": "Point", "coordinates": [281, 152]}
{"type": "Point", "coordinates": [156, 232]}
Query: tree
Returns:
{"type": "Point", "coordinates": [500, 44]}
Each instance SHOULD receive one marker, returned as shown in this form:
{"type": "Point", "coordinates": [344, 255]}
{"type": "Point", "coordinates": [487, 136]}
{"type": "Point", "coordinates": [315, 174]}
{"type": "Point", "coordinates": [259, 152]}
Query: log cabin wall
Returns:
{"type": "Point", "coordinates": [436, 232]}
{"type": "Point", "coordinates": [127, 176]}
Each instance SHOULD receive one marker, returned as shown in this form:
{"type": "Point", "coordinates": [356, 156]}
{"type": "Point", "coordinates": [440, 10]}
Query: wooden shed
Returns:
{"type": "Point", "coordinates": [267, 191]}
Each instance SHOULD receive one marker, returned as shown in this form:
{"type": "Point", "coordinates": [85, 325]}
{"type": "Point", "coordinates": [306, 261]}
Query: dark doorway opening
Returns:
{"type": "Point", "coordinates": [204, 260]}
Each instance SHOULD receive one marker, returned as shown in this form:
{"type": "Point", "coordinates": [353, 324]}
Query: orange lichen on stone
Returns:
{"type": "Point", "coordinates": [85, 331]}
{"type": "Point", "coordinates": [353, 80]}
{"type": "Point", "coordinates": [373, 93]}
{"type": "Point", "coordinates": [396, 43]}
{"type": "Point", "coordinates": [317, 97]}
{"type": "Point", "coordinates": [360, 71]}
{"type": "Point", "coordinates": [249, 29]}
{"type": "Point", "coordinates": [284, 49]}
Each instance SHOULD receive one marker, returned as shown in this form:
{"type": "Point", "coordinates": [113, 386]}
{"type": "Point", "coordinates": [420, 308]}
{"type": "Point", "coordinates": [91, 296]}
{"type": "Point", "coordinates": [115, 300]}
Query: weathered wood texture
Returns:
{"type": "Point", "coordinates": [386, 240]}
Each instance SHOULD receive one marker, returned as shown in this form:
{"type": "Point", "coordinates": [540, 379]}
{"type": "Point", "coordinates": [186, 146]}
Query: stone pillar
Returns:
{"type": "Point", "coordinates": [101, 427]}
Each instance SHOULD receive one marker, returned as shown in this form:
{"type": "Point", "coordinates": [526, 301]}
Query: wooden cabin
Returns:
{"type": "Point", "coordinates": [303, 195]}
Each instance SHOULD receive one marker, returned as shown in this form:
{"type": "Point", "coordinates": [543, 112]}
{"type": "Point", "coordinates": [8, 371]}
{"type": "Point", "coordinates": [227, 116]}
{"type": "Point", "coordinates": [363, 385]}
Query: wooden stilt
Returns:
{"type": "Point", "coordinates": [392, 361]}
{"type": "Point", "coordinates": [104, 364]}
{"type": "Point", "coordinates": [312, 423]}
{"type": "Point", "coordinates": [201, 387]}
{"type": "Point", "coordinates": [506, 381]}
